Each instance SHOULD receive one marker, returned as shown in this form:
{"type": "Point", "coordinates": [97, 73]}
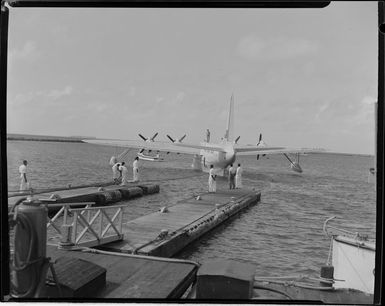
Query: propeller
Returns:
{"type": "Point", "coordinates": [169, 137]}
{"type": "Point", "coordinates": [141, 136]}
{"type": "Point", "coordinates": [236, 140]}
{"type": "Point", "coordinates": [153, 137]}
{"type": "Point", "coordinates": [148, 139]}
{"type": "Point", "coordinates": [260, 139]}
{"type": "Point", "coordinates": [181, 139]}
{"type": "Point", "coordinates": [259, 142]}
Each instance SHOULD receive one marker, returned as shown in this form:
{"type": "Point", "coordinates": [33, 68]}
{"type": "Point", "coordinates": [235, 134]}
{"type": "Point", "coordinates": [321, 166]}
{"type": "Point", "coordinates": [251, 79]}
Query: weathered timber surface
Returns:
{"type": "Point", "coordinates": [165, 234]}
{"type": "Point", "coordinates": [136, 278]}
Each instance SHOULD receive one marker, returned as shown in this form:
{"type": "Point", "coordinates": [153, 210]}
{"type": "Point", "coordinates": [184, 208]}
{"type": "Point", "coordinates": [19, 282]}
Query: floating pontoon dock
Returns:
{"type": "Point", "coordinates": [100, 195]}
{"type": "Point", "coordinates": [165, 234]}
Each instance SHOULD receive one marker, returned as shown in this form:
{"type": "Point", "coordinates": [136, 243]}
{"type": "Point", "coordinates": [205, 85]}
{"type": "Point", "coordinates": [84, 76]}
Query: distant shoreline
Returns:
{"type": "Point", "coordinates": [44, 138]}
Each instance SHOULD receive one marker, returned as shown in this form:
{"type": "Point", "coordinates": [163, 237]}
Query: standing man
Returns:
{"type": "Point", "coordinates": [113, 160]}
{"type": "Point", "coordinates": [212, 180]}
{"type": "Point", "coordinates": [124, 171]}
{"type": "Point", "coordinates": [238, 177]}
{"type": "Point", "coordinates": [116, 173]}
{"type": "Point", "coordinates": [231, 177]}
{"type": "Point", "coordinates": [135, 169]}
{"type": "Point", "coordinates": [23, 176]}
{"type": "Point", "coordinates": [208, 135]}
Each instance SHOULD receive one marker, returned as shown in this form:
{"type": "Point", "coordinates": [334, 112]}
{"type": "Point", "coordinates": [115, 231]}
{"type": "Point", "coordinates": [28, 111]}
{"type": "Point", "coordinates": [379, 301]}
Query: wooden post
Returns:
{"type": "Point", "coordinates": [101, 225]}
{"type": "Point", "coordinates": [75, 226]}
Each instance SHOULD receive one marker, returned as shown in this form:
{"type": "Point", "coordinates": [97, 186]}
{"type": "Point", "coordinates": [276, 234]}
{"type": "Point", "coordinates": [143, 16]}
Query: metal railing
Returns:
{"type": "Point", "coordinates": [87, 226]}
{"type": "Point", "coordinates": [65, 212]}
{"type": "Point", "coordinates": [98, 226]}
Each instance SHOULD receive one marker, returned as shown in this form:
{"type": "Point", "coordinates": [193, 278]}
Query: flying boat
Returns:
{"type": "Point", "coordinates": [205, 154]}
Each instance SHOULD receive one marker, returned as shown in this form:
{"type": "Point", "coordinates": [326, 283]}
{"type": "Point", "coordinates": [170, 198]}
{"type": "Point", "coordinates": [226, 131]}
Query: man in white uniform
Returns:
{"type": "Point", "coordinates": [115, 172]}
{"type": "Point", "coordinates": [135, 169]}
{"type": "Point", "coordinates": [212, 182]}
{"type": "Point", "coordinates": [238, 177]}
{"type": "Point", "coordinates": [124, 171]}
{"type": "Point", "coordinates": [23, 176]}
{"type": "Point", "coordinates": [231, 177]}
{"type": "Point", "coordinates": [113, 160]}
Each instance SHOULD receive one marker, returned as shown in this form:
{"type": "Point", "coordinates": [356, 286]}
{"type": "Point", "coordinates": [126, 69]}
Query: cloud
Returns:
{"type": "Point", "coordinates": [29, 52]}
{"type": "Point", "coordinates": [159, 100]}
{"type": "Point", "coordinates": [41, 96]}
{"type": "Point", "coordinates": [368, 100]}
{"type": "Point", "coordinates": [321, 110]}
{"type": "Point", "coordinates": [131, 91]}
{"type": "Point", "coordinates": [257, 48]}
{"type": "Point", "coordinates": [57, 94]}
{"type": "Point", "coordinates": [179, 97]}
{"type": "Point", "coordinates": [174, 101]}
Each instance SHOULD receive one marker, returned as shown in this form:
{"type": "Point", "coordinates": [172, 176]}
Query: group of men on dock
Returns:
{"type": "Point", "coordinates": [120, 171]}
{"type": "Point", "coordinates": [235, 178]}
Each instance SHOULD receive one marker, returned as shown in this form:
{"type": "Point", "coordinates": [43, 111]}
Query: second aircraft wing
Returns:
{"type": "Point", "coordinates": [255, 150]}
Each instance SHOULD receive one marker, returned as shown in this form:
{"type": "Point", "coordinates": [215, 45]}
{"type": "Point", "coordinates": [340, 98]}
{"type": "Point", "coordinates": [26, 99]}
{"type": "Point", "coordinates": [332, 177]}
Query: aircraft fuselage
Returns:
{"type": "Point", "coordinates": [220, 160]}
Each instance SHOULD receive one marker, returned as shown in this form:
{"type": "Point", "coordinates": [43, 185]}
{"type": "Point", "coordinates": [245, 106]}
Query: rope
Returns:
{"type": "Point", "coordinates": [20, 266]}
{"type": "Point", "coordinates": [163, 259]}
{"type": "Point", "coordinates": [268, 278]}
{"type": "Point", "coordinates": [300, 285]}
{"type": "Point", "coordinates": [55, 278]}
{"type": "Point", "coordinates": [330, 252]}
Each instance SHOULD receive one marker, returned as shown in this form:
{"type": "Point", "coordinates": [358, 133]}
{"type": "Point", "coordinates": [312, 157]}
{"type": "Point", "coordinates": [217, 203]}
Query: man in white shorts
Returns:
{"type": "Point", "coordinates": [23, 176]}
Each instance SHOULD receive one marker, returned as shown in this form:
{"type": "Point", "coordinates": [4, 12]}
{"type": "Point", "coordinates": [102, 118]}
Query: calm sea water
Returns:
{"type": "Point", "coordinates": [282, 235]}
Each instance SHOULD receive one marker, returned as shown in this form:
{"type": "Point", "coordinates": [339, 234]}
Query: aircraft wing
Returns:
{"type": "Point", "coordinates": [254, 150]}
{"type": "Point", "coordinates": [161, 146]}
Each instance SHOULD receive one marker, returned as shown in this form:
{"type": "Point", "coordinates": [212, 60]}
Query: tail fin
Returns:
{"type": "Point", "coordinates": [229, 135]}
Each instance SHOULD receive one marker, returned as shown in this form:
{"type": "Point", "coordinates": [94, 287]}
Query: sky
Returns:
{"type": "Point", "coordinates": [301, 77]}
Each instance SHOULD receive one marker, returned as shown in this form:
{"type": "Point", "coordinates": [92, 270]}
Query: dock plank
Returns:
{"type": "Point", "coordinates": [132, 277]}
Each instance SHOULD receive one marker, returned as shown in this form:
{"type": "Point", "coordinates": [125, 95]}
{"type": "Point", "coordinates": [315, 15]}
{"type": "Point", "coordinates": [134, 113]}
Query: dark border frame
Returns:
{"type": "Point", "coordinates": [4, 243]}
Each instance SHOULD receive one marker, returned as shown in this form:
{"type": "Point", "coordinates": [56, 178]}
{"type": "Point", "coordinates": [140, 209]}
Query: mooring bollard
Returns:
{"type": "Point", "coordinates": [66, 234]}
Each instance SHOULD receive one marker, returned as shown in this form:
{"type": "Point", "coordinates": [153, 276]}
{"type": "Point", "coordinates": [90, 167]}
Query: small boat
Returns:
{"type": "Point", "coordinates": [156, 158]}
{"type": "Point", "coordinates": [347, 277]}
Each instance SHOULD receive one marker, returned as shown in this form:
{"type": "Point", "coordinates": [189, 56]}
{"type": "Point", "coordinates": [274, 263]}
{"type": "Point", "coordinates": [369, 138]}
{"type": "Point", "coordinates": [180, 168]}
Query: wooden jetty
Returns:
{"type": "Point", "coordinates": [165, 234]}
{"type": "Point", "coordinates": [134, 277]}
